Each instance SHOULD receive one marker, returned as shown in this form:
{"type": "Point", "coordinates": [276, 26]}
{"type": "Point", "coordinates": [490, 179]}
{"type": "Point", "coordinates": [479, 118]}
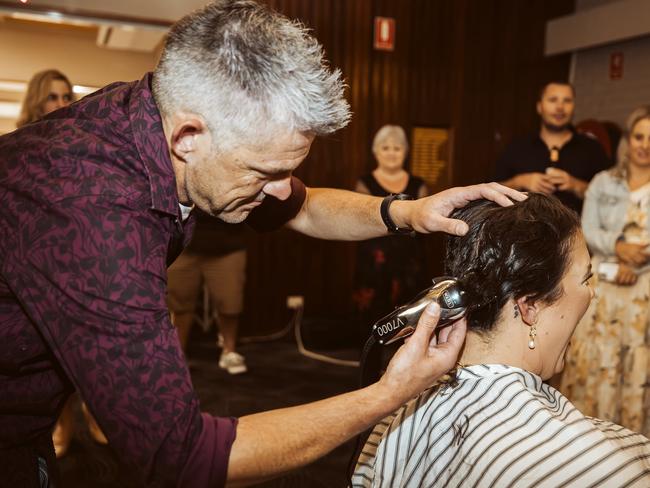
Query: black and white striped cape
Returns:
{"type": "Point", "coordinates": [499, 426]}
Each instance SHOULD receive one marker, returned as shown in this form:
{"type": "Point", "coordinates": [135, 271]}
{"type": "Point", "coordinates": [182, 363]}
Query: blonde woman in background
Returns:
{"type": "Point", "coordinates": [389, 269]}
{"type": "Point", "coordinates": [608, 370]}
{"type": "Point", "coordinates": [47, 91]}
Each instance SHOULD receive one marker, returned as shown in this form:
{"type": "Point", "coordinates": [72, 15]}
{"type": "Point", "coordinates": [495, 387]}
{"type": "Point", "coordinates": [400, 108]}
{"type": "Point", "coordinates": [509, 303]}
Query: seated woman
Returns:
{"type": "Point", "coordinates": [494, 422]}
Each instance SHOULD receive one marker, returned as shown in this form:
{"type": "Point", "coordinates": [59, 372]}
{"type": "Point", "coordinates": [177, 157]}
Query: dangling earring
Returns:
{"type": "Point", "coordinates": [532, 334]}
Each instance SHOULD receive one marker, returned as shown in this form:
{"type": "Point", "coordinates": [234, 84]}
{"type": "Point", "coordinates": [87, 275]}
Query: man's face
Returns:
{"type": "Point", "coordinates": [556, 107]}
{"type": "Point", "coordinates": [229, 185]}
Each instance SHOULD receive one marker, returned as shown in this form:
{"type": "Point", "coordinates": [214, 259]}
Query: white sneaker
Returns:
{"type": "Point", "coordinates": [232, 362]}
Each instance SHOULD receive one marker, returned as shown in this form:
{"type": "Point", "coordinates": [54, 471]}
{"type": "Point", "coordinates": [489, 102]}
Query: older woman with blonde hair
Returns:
{"type": "Point", "coordinates": [47, 91]}
{"type": "Point", "coordinates": [389, 269]}
{"type": "Point", "coordinates": [608, 371]}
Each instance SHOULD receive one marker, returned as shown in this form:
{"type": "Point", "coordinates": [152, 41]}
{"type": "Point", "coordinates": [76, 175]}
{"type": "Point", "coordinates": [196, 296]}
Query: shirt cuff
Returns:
{"type": "Point", "coordinates": [207, 464]}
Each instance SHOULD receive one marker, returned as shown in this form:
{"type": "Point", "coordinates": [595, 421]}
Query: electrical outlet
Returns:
{"type": "Point", "coordinates": [295, 301]}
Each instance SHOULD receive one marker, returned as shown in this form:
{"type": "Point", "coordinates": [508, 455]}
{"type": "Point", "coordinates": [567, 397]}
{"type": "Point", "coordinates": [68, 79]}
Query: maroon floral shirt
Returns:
{"type": "Point", "coordinates": [89, 219]}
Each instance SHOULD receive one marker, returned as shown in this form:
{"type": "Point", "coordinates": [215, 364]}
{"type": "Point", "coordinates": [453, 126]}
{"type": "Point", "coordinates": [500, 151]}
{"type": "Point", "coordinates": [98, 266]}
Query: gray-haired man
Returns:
{"type": "Point", "coordinates": [97, 200]}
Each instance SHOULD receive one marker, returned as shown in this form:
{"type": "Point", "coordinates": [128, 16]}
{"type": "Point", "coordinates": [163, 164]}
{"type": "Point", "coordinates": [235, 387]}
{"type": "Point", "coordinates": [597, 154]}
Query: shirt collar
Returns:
{"type": "Point", "coordinates": [185, 211]}
{"type": "Point", "coordinates": [149, 137]}
{"type": "Point", "coordinates": [538, 137]}
{"type": "Point", "coordinates": [485, 370]}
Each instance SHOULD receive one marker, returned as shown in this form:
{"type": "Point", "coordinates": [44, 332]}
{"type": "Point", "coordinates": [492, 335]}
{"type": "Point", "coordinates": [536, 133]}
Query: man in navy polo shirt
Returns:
{"type": "Point", "coordinates": [556, 159]}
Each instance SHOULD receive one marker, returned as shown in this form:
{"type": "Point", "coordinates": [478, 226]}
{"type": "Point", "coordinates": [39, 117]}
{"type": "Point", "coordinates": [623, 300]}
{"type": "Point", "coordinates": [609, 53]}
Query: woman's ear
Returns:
{"type": "Point", "coordinates": [528, 310]}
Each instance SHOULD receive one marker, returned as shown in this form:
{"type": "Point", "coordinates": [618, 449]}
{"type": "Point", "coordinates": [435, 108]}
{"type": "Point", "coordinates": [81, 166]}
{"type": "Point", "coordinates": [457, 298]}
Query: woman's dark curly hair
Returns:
{"type": "Point", "coordinates": [511, 252]}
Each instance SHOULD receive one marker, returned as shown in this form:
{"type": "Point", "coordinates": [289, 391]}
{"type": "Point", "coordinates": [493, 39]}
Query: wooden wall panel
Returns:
{"type": "Point", "coordinates": [471, 65]}
{"type": "Point", "coordinates": [430, 62]}
{"type": "Point", "coordinates": [501, 79]}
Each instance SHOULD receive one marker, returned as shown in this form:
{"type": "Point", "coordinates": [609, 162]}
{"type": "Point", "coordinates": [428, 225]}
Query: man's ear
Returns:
{"type": "Point", "coordinates": [528, 309]}
{"type": "Point", "coordinates": [189, 135]}
{"type": "Point", "coordinates": [538, 107]}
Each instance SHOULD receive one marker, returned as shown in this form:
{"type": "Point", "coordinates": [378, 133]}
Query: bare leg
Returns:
{"type": "Point", "coordinates": [183, 323]}
{"type": "Point", "coordinates": [228, 325]}
{"type": "Point", "coordinates": [184, 285]}
{"type": "Point", "coordinates": [95, 432]}
{"type": "Point", "coordinates": [224, 278]}
{"type": "Point", "coordinates": [231, 361]}
{"type": "Point", "coordinates": [62, 434]}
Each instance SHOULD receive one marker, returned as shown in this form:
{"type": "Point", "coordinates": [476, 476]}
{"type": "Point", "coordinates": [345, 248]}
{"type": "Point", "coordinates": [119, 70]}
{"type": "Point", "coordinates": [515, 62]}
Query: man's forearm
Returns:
{"type": "Point", "coordinates": [271, 443]}
{"type": "Point", "coordinates": [339, 215]}
{"type": "Point", "coordinates": [348, 216]}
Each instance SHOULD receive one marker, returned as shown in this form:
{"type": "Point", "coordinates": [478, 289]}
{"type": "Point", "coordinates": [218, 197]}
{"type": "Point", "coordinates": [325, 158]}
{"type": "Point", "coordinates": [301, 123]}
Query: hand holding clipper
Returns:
{"type": "Point", "coordinates": [400, 323]}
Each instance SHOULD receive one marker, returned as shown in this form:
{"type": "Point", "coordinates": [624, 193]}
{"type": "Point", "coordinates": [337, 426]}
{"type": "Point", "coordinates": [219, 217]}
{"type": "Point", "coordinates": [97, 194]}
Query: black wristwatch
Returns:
{"type": "Point", "coordinates": [385, 215]}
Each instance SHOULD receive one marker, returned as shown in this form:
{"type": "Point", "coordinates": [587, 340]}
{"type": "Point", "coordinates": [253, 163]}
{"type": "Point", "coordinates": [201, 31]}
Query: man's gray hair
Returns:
{"type": "Point", "coordinates": [249, 72]}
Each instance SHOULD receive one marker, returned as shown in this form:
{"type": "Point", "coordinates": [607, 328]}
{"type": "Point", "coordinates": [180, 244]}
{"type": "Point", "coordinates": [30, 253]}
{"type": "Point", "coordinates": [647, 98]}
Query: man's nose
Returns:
{"type": "Point", "coordinates": [280, 189]}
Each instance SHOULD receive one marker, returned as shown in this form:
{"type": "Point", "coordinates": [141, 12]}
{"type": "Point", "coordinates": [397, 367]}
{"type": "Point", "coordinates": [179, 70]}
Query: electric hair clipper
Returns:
{"type": "Point", "coordinates": [401, 322]}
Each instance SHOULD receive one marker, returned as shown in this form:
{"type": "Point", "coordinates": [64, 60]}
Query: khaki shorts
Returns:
{"type": "Point", "coordinates": [224, 276]}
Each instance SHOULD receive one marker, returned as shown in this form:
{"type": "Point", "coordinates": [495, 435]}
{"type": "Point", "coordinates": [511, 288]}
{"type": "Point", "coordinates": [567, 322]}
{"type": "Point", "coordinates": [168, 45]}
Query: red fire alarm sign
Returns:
{"type": "Point", "coordinates": [384, 33]}
{"type": "Point", "coordinates": [616, 66]}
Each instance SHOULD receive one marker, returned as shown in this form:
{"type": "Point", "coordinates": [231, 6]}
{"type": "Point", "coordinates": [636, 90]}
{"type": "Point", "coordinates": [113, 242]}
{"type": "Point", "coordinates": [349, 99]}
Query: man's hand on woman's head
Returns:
{"type": "Point", "coordinates": [423, 358]}
{"type": "Point", "coordinates": [431, 214]}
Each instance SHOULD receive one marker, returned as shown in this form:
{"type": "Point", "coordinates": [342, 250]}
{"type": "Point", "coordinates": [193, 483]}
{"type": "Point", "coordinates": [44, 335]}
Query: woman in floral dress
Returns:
{"type": "Point", "coordinates": [608, 368]}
